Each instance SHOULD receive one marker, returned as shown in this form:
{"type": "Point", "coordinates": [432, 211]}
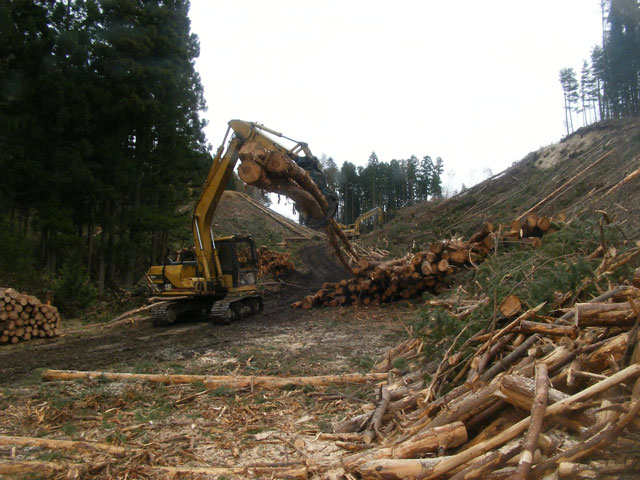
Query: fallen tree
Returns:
{"type": "Point", "coordinates": [212, 382]}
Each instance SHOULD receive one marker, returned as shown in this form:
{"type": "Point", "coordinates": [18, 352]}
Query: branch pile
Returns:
{"type": "Point", "coordinates": [276, 263]}
{"type": "Point", "coordinates": [526, 402]}
{"type": "Point", "coordinates": [23, 317]}
{"type": "Point", "coordinates": [273, 171]}
{"type": "Point", "coordinates": [431, 270]}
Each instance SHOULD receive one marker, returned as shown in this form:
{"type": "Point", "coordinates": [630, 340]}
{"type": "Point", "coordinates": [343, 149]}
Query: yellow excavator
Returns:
{"type": "Point", "coordinates": [220, 278]}
{"type": "Point", "coordinates": [353, 230]}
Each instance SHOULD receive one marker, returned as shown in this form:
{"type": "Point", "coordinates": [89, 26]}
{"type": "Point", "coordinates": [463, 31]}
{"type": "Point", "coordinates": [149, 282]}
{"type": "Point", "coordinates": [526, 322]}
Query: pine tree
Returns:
{"type": "Point", "coordinates": [570, 91]}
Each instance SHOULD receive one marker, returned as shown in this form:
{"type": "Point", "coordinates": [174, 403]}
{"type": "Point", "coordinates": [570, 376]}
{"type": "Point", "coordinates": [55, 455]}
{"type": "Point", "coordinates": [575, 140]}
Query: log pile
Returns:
{"type": "Point", "coordinates": [276, 263]}
{"type": "Point", "coordinates": [521, 405]}
{"type": "Point", "coordinates": [430, 271]}
{"type": "Point", "coordinates": [23, 317]}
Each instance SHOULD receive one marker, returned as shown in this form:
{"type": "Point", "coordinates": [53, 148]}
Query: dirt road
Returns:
{"type": "Point", "coordinates": [278, 341]}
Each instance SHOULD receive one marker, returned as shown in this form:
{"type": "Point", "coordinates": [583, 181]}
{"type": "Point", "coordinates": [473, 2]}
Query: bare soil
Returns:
{"type": "Point", "coordinates": [279, 329]}
{"type": "Point", "coordinates": [186, 425]}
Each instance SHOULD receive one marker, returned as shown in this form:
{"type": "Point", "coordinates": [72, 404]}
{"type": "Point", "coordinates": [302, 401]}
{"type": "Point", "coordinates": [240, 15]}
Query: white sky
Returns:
{"type": "Point", "coordinates": [474, 82]}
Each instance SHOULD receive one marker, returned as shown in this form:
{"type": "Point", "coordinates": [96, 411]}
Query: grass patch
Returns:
{"type": "Point", "coordinates": [364, 363]}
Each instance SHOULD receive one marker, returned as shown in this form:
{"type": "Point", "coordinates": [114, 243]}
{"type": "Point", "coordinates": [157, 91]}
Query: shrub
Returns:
{"type": "Point", "coordinates": [73, 291]}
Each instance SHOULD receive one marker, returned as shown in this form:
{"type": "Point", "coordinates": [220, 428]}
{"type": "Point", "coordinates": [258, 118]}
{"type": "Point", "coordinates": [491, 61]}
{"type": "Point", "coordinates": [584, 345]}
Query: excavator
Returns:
{"type": "Point", "coordinates": [220, 278]}
{"type": "Point", "coordinates": [353, 230]}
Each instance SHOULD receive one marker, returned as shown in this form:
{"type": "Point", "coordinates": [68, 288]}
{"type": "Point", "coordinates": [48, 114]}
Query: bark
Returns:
{"type": "Point", "coordinates": [519, 391]}
{"type": "Point", "coordinates": [491, 462]}
{"type": "Point", "coordinates": [39, 468]}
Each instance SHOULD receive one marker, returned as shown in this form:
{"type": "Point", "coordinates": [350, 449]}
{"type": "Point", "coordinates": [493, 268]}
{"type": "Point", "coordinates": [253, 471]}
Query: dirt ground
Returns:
{"type": "Point", "coordinates": [186, 425]}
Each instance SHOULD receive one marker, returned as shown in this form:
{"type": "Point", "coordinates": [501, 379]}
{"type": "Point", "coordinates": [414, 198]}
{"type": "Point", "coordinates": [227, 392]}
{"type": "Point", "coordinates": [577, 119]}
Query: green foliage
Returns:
{"type": "Point", "coordinates": [608, 86]}
{"type": "Point", "coordinates": [125, 148]}
{"type": "Point", "coordinates": [535, 275]}
{"type": "Point", "coordinates": [364, 363]}
{"type": "Point", "coordinates": [69, 429]}
{"type": "Point", "coordinates": [72, 290]}
{"type": "Point", "coordinates": [387, 185]}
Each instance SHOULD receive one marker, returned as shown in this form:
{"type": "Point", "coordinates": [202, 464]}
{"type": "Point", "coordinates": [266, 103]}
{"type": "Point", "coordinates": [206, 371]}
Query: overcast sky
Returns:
{"type": "Point", "coordinates": [474, 82]}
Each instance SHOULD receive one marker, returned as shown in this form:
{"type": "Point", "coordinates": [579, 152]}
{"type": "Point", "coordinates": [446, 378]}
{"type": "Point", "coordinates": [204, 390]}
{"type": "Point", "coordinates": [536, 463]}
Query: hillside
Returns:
{"type": "Point", "coordinates": [577, 176]}
{"type": "Point", "coordinates": [239, 214]}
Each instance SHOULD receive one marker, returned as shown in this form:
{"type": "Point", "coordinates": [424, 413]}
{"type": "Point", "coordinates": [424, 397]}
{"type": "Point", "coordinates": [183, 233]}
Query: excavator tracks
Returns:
{"type": "Point", "coordinates": [224, 311]}
{"type": "Point", "coordinates": [163, 315]}
{"type": "Point", "coordinates": [232, 309]}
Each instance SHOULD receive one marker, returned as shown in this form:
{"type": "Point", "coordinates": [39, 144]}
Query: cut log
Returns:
{"type": "Point", "coordinates": [213, 382]}
{"type": "Point", "coordinates": [535, 427]}
{"type": "Point", "coordinates": [547, 329]}
{"type": "Point", "coordinates": [62, 444]}
{"type": "Point", "coordinates": [251, 172]}
{"type": "Point", "coordinates": [510, 306]}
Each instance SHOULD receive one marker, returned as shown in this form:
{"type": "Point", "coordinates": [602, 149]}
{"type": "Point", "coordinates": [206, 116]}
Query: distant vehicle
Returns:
{"type": "Point", "coordinates": [353, 230]}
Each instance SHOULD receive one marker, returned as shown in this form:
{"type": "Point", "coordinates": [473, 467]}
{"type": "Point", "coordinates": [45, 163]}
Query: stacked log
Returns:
{"type": "Point", "coordinates": [528, 230]}
{"type": "Point", "coordinates": [430, 270]}
{"type": "Point", "coordinates": [522, 405]}
{"type": "Point", "coordinates": [24, 317]}
{"type": "Point", "coordinates": [275, 263]}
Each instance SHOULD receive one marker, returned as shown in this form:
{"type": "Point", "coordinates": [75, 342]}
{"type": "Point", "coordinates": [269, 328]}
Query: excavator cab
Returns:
{"type": "Point", "coordinates": [236, 283]}
{"type": "Point", "coordinates": [238, 261]}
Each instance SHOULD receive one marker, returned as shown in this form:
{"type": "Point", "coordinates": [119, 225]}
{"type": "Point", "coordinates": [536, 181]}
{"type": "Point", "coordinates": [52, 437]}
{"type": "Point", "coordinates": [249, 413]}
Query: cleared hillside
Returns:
{"type": "Point", "coordinates": [583, 174]}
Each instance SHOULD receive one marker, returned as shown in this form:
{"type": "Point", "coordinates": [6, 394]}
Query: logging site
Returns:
{"type": "Point", "coordinates": [189, 295]}
{"type": "Point", "coordinates": [491, 334]}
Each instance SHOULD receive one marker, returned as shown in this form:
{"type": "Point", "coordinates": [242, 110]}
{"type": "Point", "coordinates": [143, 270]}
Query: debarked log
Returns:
{"type": "Point", "coordinates": [300, 472]}
{"type": "Point", "coordinates": [62, 444]}
{"type": "Point", "coordinates": [217, 381]}
{"type": "Point", "coordinates": [519, 391]}
{"type": "Point", "coordinates": [446, 436]}
{"type": "Point", "coordinates": [431, 470]}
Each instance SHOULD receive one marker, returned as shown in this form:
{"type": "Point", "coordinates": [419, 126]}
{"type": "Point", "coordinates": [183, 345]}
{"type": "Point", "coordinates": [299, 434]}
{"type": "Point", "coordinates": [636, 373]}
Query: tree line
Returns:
{"type": "Point", "coordinates": [100, 134]}
{"type": "Point", "coordinates": [388, 185]}
{"type": "Point", "coordinates": [607, 86]}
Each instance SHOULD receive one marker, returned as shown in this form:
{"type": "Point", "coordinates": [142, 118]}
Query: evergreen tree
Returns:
{"type": "Point", "coordinates": [100, 135]}
{"type": "Point", "coordinates": [570, 91]}
{"type": "Point", "coordinates": [597, 74]}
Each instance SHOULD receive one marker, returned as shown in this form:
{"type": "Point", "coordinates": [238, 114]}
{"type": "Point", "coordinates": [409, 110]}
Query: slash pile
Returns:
{"type": "Point", "coordinates": [532, 398]}
{"type": "Point", "coordinates": [276, 263]}
{"type": "Point", "coordinates": [431, 270]}
{"type": "Point", "coordinates": [23, 317]}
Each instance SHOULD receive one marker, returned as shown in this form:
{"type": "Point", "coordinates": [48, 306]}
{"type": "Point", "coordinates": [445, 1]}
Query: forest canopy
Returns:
{"type": "Point", "coordinates": [100, 133]}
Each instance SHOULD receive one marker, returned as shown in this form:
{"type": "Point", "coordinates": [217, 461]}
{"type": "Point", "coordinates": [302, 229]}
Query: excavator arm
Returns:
{"type": "Point", "coordinates": [221, 169]}
{"type": "Point", "coordinates": [377, 212]}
